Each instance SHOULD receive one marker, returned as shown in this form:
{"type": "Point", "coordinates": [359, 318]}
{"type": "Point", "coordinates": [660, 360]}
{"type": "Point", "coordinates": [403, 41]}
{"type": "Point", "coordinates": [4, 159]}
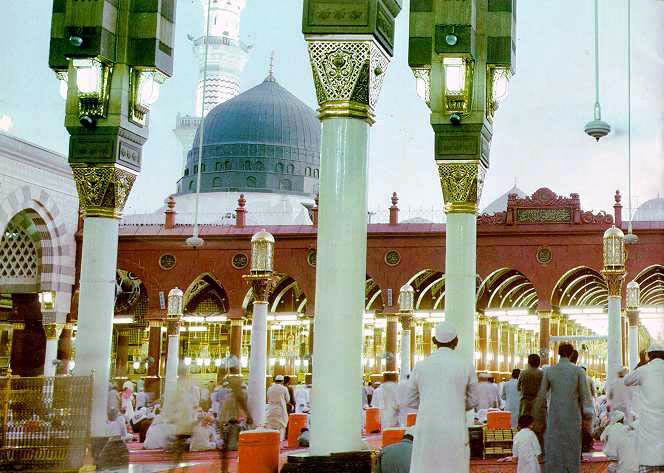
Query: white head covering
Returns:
{"type": "Point", "coordinates": [655, 346]}
{"type": "Point", "coordinates": [445, 332]}
{"type": "Point", "coordinates": [278, 378]}
{"type": "Point", "coordinates": [128, 385]}
{"type": "Point", "coordinates": [616, 416]}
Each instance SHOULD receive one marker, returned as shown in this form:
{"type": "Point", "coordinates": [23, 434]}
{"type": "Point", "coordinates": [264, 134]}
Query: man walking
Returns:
{"type": "Point", "coordinates": [276, 416]}
{"type": "Point", "coordinates": [570, 403]}
{"type": "Point", "coordinates": [529, 383]}
{"type": "Point", "coordinates": [487, 392]}
{"type": "Point", "coordinates": [512, 397]}
{"type": "Point", "coordinates": [650, 431]}
{"type": "Point", "coordinates": [443, 387]}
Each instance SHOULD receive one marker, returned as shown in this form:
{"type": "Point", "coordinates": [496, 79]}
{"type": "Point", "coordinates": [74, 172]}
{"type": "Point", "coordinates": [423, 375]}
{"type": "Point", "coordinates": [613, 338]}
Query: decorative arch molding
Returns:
{"type": "Point", "coordinates": [206, 284]}
{"type": "Point", "coordinates": [651, 280]}
{"type": "Point", "coordinates": [580, 283]}
{"type": "Point", "coordinates": [57, 244]}
{"type": "Point", "coordinates": [506, 288]}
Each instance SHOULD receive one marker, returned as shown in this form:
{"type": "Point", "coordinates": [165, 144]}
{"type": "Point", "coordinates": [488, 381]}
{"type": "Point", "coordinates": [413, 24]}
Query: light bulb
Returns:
{"type": "Point", "coordinates": [455, 75]}
{"type": "Point", "coordinates": [88, 75]}
{"type": "Point", "coordinates": [187, 361]}
{"type": "Point", "coordinates": [148, 89]}
{"type": "Point", "coordinates": [217, 362]}
{"type": "Point", "coordinates": [136, 365]}
{"type": "Point", "coordinates": [199, 361]}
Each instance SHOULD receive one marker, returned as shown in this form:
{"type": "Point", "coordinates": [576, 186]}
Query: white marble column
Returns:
{"type": "Point", "coordinates": [172, 364]}
{"type": "Point", "coordinates": [460, 279]}
{"type": "Point", "coordinates": [614, 348]}
{"type": "Point", "coordinates": [95, 312]}
{"type": "Point", "coordinates": [633, 338]}
{"type": "Point", "coordinates": [52, 334]}
{"type": "Point", "coordinates": [257, 385]}
{"type": "Point", "coordinates": [406, 327]}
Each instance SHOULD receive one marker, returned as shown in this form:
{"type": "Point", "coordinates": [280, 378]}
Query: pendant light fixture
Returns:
{"type": "Point", "coordinates": [597, 128]}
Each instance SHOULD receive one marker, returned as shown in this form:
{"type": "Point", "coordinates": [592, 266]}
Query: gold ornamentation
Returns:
{"type": "Point", "coordinates": [392, 258]}
{"type": "Point", "coordinates": [461, 182]}
{"type": "Point", "coordinates": [261, 285]}
{"type": "Point", "coordinates": [348, 75]}
{"type": "Point", "coordinates": [103, 190]}
{"type": "Point", "coordinates": [311, 257]}
{"type": "Point", "coordinates": [167, 262]}
{"type": "Point", "coordinates": [173, 326]}
{"type": "Point", "coordinates": [544, 255]}
{"type": "Point", "coordinates": [406, 321]}
{"type": "Point", "coordinates": [543, 215]}
{"type": "Point", "coordinates": [614, 281]}
{"type": "Point", "coordinates": [52, 331]}
{"type": "Point", "coordinates": [240, 261]}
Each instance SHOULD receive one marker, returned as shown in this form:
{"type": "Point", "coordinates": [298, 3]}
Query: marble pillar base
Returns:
{"type": "Point", "coordinates": [345, 462]}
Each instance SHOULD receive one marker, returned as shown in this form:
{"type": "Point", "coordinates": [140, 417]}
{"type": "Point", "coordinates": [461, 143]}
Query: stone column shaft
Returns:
{"type": "Point", "coordinates": [494, 343]}
{"type": "Point", "coordinates": [426, 338]}
{"type": "Point", "coordinates": [236, 346]}
{"type": "Point", "coordinates": [406, 348]}
{"type": "Point", "coordinates": [544, 338]}
{"type": "Point", "coordinates": [614, 348]}
{"type": "Point", "coordinates": [483, 345]}
{"type": "Point", "coordinates": [258, 359]}
{"type": "Point", "coordinates": [633, 317]}
{"type": "Point", "coordinates": [152, 380]}
{"type": "Point", "coordinates": [52, 332]}
{"type": "Point", "coordinates": [172, 359]}
{"type": "Point", "coordinates": [391, 344]}
{"type": "Point", "coordinates": [122, 355]}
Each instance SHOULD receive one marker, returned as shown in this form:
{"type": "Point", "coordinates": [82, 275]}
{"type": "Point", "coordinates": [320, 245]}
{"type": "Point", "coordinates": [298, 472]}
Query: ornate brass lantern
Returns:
{"type": "Point", "coordinates": [614, 250]}
{"type": "Point", "coordinates": [175, 302]}
{"type": "Point", "coordinates": [406, 298]}
{"type": "Point", "coordinates": [458, 84]}
{"type": "Point", "coordinates": [47, 300]}
{"type": "Point", "coordinates": [262, 247]}
{"type": "Point", "coordinates": [93, 81]}
{"type": "Point", "coordinates": [633, 295]}
{"type": "Point", "coordinates": [497, 82]}
{"type": "Point", "coordinates": [144, 91]}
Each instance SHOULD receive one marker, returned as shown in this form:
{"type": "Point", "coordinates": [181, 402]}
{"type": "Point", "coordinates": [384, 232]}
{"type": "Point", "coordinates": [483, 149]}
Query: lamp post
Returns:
{"type": "Point", "coordinates": [406, 304]}
{"type": "Point", "coordinates": [462, 55]}
{"type": "Point", "coordinates": [260, 278]}
{"type": "Point", "coordinates": [107, 66]}
{"type": "Point", "coordinates": [633, 300]}
{"type": "Point", "coordinates": [175, 311]}
{"type": "Point", "coordinates": [350, 45]}
{"type": "Point", "coordinates": [614, 273]}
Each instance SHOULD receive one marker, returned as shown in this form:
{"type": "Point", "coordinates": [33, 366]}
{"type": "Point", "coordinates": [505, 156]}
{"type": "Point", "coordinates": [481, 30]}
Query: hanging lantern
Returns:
{"type": "Point", "coordinates": [262, 246]}
{"type": "Point", "coordinates": [144, 92]}
{"type": "Point", "coordinates": [498, 79]}
{"type": "Point", "coordinates": [93, 80]}
{"type": "Point", "coordinates": [175, 302]}
{"type": "Point", "coordinates": [406, 298]}
{"type": "Point", "coordinates": [614, 250]}
{"type": "Point", "coordinates": [633, 295]}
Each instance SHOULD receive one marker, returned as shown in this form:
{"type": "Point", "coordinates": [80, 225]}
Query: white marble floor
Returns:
{"type": "Point", "coordinates": [146, 468]}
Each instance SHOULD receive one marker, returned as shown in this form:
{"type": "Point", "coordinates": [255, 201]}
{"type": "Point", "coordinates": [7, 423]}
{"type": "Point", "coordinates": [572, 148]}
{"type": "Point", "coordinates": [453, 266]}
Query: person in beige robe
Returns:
{"type": "Point", "coordinates": [276, 417]}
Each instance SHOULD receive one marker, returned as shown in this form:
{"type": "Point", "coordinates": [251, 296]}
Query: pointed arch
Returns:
{"type": "Point", "coordinates": [205, 294]}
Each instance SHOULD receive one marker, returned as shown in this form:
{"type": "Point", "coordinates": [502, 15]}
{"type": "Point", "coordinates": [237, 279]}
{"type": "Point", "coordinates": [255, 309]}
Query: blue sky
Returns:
{"type": "Point", "coordinates": [538, 138]}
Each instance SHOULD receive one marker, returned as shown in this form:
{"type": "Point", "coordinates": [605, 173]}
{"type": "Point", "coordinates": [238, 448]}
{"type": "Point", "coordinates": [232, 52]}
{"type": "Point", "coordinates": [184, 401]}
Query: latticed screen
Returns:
{"type": "Point", "coordinates": [45, 422]}
{"type": "Point", "coordinates": [19, 258]}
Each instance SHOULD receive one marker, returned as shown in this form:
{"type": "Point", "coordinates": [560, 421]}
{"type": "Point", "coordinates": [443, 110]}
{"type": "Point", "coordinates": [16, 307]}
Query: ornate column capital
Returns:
{"type": "Point", "coordinates": [262, 285]}
{"type": "Point", "coordinates": [614, 281]}
{"type": "Point", "coordinates": [173, 326]}
{"type": "Point", "coordinates": [461, 183]}
{"type": "Point", "coordinates": [348, 75]}
{"type": "Point", "coordinates": [237, 322]}
{"type": "Point", "coordinates": [52, 331]}
{"type": "Point", "coordinates": [406, 319]}
{"type": "Point", "coordinates": [633, 316]}
{"type": "Point", "coordinates": [103, 189]}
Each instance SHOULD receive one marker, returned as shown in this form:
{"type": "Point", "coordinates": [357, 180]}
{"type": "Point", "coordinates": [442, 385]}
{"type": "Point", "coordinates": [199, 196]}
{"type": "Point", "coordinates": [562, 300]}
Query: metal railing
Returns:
{"type": "Point", "coordinates": [44, 422]}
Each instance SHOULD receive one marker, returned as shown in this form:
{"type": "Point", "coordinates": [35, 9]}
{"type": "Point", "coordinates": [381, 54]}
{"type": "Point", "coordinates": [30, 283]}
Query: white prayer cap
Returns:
{"type": "Point", "coordinates": [445, 332]}
{"type": "Point", "coordinates": [278, 378]}
{"type": "Point", "coordinates": [655, 346]}
{"type": "Point", "coordinates": [616, 416]}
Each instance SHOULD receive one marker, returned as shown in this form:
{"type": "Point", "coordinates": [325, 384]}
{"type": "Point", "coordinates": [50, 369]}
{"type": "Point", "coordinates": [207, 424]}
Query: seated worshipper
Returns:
{"type": "Point", "coordinates": [525, 447]}
{"type": "Point", "coordinates": [141, 422]}
{"type": "Point", "coordinates": [127, 398]}
{"type": "Point", "coordinates": [395, 458]}
{"type": "Point", "coordinates": [203, 436]}
{"type": "Point", "coordinates": [488, 393]}
{"type": "Point", "coordinates": [303, 439]}
{"type": "Point", "coordinates": [141, 399]}
{"type": "Point", "coordinates": [159, 435]}
{"type": "Point", "coordinates": [620, 444]}
{"type": "Point", "coordinates": [377, 397]}
{"type": "Point", "coordinates": [117, 427]}
{"type": "Point", "coordinates": [620, 395]}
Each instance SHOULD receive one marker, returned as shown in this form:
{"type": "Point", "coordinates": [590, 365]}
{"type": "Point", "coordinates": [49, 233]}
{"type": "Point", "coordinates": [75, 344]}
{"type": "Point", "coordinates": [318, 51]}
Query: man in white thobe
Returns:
{"type": "Point", "coordinates": [402, 396]}
{"type": "Point", "coordinates": [443, 387]}
{"type": "Point", "coordinates": [487, 392]}
{"type": "Point", "coordinates": [512, 397]}
{"type": "Point", "coordinates": [377, 398]}
{"type": "Point", "coordinates": [276, 416]}
{"type": "Point", "coordinates": [620, 395]}
{"type": "Point", "coordinates": [302, 399]}
{"type": "Point", "coordinates": [650, 430]}
{"type": "Point", "coordinates": [389, 411]}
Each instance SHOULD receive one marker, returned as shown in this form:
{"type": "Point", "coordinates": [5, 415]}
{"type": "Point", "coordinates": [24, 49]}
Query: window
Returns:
{"type": "Point", "coordinates": [280, 168]}
{"type": "Point", "coordinates": [191, 185]}
{"type": "Point", "coordinates": [285, 185]}
{"type": "Point", "coordinates": [227, 166]}
{"type": "Point", "coordinates": [186, 172]}
{"type": "Point", "coordinates": [307, 172]}
{"type": "Point", "coordinates": [202, 167]}
{"type": "Point", "coordinates": [251, 181]}
{"type": "Point", "coordinates": [316, 173]}
{"type": "Point", "coordinates": [217, 166]}
{"type": "Point", "coordinates": [259, 166]}
{"type": "Point", "coordinates": [196, 169]}
{"type": "Point", "coordinates": [216, 182]}
{"type": "Point", "coordinates": [290, 169]}
{"type": "Point", "coordinates": [247, 165]}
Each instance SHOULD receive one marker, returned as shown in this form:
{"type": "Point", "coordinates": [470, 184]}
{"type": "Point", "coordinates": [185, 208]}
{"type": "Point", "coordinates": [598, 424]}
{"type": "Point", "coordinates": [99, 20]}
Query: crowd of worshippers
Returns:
{"type": "Point", "coordinates": [558, 411]}
{"type": "Point", "coordinates": [198, 418]}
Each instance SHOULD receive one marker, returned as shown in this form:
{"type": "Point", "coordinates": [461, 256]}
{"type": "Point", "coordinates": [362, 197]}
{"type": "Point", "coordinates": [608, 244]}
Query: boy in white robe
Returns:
{"type": "Point", "coordinates": [525, 447]}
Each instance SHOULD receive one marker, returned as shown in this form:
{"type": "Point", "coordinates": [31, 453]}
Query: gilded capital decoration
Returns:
{"type": "Point", "coordinates": [461, 182]}
{"type": "Point", "coordinates": [261, 285]}
{"type": "Point", "coordinates": [614, 282]}
{"type": "Point", "coordinates": [406, 321]}
{"type": "Point", "coordinates": [633, 316]}
{"type": "Point", "coordinates": [103, 189]}
{"type": "Point", "coordinates": [348, 75]}
{"type": "Point", "coordinates": [173, 326]}
{"type": "Point", "coordinates": [52, 331]}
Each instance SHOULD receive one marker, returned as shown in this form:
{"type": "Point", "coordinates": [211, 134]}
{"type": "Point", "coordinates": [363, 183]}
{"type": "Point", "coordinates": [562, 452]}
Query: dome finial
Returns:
{"type": "Point", "coordinates": [270, 73]}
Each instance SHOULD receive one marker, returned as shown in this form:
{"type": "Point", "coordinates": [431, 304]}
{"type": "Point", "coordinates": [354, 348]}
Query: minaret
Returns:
{"type": "Point", "coordinates": [227, 56]}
